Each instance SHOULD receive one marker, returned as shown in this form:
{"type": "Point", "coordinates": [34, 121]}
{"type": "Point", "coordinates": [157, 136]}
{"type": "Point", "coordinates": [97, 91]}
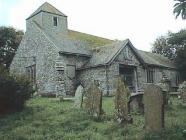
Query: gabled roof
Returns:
{"type": "Point", "coordinates": [46, 7]}
{"type": "Point", "coordinates": [105, 54]}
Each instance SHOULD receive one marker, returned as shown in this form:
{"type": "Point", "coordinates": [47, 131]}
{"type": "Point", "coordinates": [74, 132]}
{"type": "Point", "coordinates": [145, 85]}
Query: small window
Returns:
{"type": "Point", "coordinates": [60, 75]}
{"type": "Point", "coordinates": [150, 76]}
{"type": "Point", "coordinates": [31, 73]}
{"type": "Point", "coordinates": [55, 20]}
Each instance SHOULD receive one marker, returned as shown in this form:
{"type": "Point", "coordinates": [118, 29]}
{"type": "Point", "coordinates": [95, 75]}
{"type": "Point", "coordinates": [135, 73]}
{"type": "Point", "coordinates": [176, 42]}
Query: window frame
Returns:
{"type": "Point", "coordinates": [31, 73]}
{"type": "Point", "coordinates": [150, 75]}
{"type": "Point", "coordinates": [55, 21]}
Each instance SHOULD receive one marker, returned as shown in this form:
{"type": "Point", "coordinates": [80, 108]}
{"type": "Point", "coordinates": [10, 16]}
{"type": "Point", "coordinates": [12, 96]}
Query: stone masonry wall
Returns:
{"type": "Point", "coordinates": [72, 60]}
{"type": "Point", "coordinates": [170, 73]}
{"type": "Point", "coordinates": [36, 44]}
{"type": "Point", "coordinates": [87, 76]}
{"type": "Point", "coordinates": [47, 20]}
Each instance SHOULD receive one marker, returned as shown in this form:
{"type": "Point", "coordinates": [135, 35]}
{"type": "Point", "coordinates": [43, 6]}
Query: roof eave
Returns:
{"type": "Point", "coordinates": [45, 12]}
{"type": "Point", "coordinates": [147, 64]}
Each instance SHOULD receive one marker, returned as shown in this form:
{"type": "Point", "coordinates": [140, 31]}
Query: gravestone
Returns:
{"type": "Point", "coordinates": [136, 103]}
{"type": "Point", "coordinates": [78, 99]}
{"type": "Point", "coordinates": [93, 100]}
{"type": "Point", "coordinates": [154, 108]}
{"type": "Point", "coordinates": [122, 103]}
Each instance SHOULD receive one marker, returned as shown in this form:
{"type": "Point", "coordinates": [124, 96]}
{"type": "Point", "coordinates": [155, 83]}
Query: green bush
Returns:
{"type": "Point", "coordinates": [14, 91]}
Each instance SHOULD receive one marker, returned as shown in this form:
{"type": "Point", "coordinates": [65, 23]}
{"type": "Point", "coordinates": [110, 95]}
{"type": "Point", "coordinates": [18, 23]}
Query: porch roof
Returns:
{"type": "Point", "coordinates": [104, 54]}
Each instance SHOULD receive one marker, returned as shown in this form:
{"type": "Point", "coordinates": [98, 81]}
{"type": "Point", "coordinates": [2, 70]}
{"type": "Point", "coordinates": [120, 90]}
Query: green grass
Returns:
{"type": "Point", "coordinates": [48, 119]}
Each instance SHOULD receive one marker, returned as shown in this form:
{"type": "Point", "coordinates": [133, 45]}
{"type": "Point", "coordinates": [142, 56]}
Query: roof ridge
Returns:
{"type": "Point", "coordinates": [90, 35]}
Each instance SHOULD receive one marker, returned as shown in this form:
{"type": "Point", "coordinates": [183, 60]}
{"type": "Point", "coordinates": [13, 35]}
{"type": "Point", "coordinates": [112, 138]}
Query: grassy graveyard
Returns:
{"type": "Point", "coordinates": [50, 119]}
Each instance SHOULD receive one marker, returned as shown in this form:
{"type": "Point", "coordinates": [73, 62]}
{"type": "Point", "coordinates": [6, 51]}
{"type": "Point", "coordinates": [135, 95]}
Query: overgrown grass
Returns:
{"type": "Point", "coordinates": [48, 119]}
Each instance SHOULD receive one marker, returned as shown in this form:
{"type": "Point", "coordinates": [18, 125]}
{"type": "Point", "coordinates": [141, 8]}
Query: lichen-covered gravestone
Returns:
{"type": "Point", "coordinates": [154, 108]}
{"type": "Point", "coordinates": [78, 99]}
{"type": "Point", "coordinates": [121, 102]}
{"type": "Point", "coordinates": [93, 100]}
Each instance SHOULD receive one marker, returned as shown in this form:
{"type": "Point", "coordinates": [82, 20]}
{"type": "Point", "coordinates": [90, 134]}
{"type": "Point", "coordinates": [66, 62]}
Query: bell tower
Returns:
{"type": "Point", "coordinates": [49, 18]}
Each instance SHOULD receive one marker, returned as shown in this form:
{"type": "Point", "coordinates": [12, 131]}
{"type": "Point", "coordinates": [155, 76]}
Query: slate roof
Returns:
{"type": "Point", "coordinates": [46, 7]}
{"type": "Point", "coordinates": [104, 54]}
{"type": "Point", "coordinates": [70, 46]}
{"type": "Point", "coordinates": [93, 41]}
{"type": "Point", "coordinates": [156, 59]}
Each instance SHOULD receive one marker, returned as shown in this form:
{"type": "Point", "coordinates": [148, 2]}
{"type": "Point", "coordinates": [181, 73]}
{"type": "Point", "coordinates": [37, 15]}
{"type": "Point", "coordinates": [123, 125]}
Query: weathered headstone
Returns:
{"type": "Point", "coordinates": [122, 102]}
{"type": "Point", "coordinates": [93, 100]}
{"type": "Point", "coordinates": [136, 103]}
{"type": "Point", "coordinates": [154, 108]}
{"type": "Point", "coordinates": [78, 99]}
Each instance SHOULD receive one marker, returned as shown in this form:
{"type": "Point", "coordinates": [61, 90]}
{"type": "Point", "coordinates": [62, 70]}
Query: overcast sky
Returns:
{"type": "Point", "coordinates": [142, 21]}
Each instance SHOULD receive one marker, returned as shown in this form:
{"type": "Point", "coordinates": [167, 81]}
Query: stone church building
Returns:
{"type": "Point", "coordinates": [57, 59]}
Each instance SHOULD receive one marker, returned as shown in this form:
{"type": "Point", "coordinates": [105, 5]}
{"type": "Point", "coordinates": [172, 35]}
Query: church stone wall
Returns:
{"type": "Point", "coordinates": [36, 44]}
{"type": "Point", "coordinates": [70, 61]}
{"type": "Point", "coordinates": [86, 77]}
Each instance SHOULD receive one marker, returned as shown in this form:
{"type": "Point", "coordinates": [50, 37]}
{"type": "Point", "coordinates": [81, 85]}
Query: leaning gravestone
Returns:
{"type": "Point", "coordinates": [78, 99]}
{"type": "Point", "coordinates": [154, 108]}
{"type": "Point", "coordinates": [93, 100]}
{"type": "Point", "coordinates": [121, 102]}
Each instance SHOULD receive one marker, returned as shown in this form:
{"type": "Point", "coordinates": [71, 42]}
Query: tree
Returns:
{"type": "Point", "coordinates": [10, 39]}
{"type": "Point", "coordinates": [179, 39]}
{"type": "Point", "coordinates": [161, 46]}
{"type": "Point", "coordinates": [180, 8]}
{"type": "Point", "coordinates": [181, 60]}
{"type": "Point", "coordinates": [173, 46]}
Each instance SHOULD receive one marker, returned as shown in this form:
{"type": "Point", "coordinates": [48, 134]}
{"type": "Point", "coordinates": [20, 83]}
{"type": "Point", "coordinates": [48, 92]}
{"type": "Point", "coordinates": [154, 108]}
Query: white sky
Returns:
{"type": "Point", "coordinates": [142, 21]}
